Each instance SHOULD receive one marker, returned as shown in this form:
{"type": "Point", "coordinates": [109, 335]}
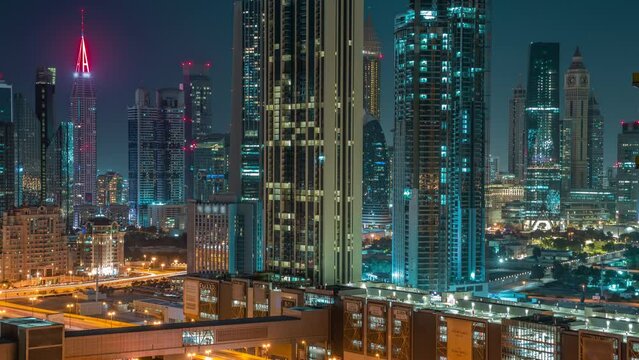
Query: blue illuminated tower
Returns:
{"type": "Point", "coordinates": [543, 173]}
{"type": "Point", "coordinates": [375, 187]}
{"type": "Point", "coordinates": [245, 172]}
{"type": "Point", "coordinates": [439, 148]}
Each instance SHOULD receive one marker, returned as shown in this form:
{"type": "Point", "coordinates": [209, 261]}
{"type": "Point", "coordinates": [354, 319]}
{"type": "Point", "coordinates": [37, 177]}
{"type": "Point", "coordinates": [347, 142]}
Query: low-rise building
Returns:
{"type": "Point", "coordinates": [100, 247]}
{"type": "Point", "coordinates": [221, 236]}
{"type": "Point", "coordinates": [167, 311]}
{"type": "Point", "coordinates": [589, 208]}
{"type": "Point", "coordinates": [498, 196]}
{"type": "Point", "coordinates": [33, 243]}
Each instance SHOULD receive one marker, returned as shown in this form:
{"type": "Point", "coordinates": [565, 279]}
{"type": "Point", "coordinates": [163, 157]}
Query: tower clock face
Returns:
{"type": "Point", "coordinates": [571, 80]}
{"type": "Point", "coordinates": [583, 80]}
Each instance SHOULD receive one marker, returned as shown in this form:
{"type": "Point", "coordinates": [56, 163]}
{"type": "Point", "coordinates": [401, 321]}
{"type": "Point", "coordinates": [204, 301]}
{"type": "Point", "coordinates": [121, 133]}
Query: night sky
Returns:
{"type": "Point", "coordinates": [142, 43]}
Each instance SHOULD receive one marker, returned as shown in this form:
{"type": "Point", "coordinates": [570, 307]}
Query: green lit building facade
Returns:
{"type": "Point", "coordinates": [542, 189]}
{"type": "Point", "coordinates": [439, 146]}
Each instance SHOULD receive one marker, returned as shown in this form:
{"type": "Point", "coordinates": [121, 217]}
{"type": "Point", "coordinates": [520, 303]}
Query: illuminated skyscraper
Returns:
{"type": "Point", "coordinates": [376, 189]}
{"type": "Point", "coordinates": [45, 111]}
{"type": "Point", "coordinates": [439, 148]}
{"type": "Point", "coordinates": [83, 116]}
{"type": "Point", "coordinates": [64, 143]}
{"type": "Point", "coordinates": [110, 189]}
{"type": "Point", "coordinates": [596, 143]}
{"type": "Point", "coordinates": [197, 114]}
{"type": "Point", "coordinates": [6, 101]}
{"type": "Point", "coordinates": [517, 133]}
{"type": "Point", "coordinates": [245, 170]}
{"type": "Point", "coordinates": [627, 174]}
{"type": "Point", "coordinates": [27, 152]}
{"type": "Point", "coordinates": [543, 177]}
{"type": "Point", "coordinates": [312, 134]}
{"type": "Point", "coordinates": [245, 173]}
{"type": "Point", "coordinates": [156, 151]}
{"type": "Point", "coordinates": [7, 148]}
{"type": "Point", "coordinates": [211, 166]}
{"type": "Point", "coordinates": [372, 69]}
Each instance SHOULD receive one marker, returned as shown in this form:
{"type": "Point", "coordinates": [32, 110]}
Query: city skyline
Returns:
{"type": "Point", "coordinates": [119, 66]}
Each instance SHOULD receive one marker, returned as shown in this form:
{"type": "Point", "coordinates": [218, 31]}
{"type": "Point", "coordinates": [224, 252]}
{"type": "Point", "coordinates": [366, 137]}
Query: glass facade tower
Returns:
{"type": "Point", "coordinates": [198, 117]}
{"type": "Point", "coordinates": [376, 189]}
{"type": "Point", "coordinates": [27, 152]}
{"type": "Point", "coordinates": [245, 168]}
{"type": "Point", "coordinates": [7, 148]}
{"type": "Point", "coordinates": [156, 150]}
{"type": "Point", "coordinates": [372, 70]}
{"type": "Point", "coordinates": [439, 149]}
{"type": "Point", "coordinates": [517, 133]}
{"type": "Point", "coordinates": [543, 178]}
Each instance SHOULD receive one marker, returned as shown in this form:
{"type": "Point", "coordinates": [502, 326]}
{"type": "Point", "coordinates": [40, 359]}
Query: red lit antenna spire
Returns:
{"type": "Point", "coordinates": [82, 64]}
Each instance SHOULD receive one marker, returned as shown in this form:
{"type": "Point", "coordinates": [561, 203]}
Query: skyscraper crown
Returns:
{"type": "Point", "coordinates": [82, 64]}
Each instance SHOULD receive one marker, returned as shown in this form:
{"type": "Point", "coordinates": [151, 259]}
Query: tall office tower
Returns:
{"type": "Point", "coordinates": [7, 148]}
{"type": "Point", "coordinates": [109, 189]}
{"type": "Point", "coordinates": [211, 165]}
{"type": "Point", "coordinates": [6, 101]}
{"type": "Point", "coordinates": [375, 188]}
{"type": "Point", "coordinates": [197, 114]}
{"type": "Point", "coordinates": [312, 63]}
{"type": "Point", "coordinates": [64, 151]}
{"type": "Point", "coordinates": [575, 129]}
{"type": "Point", "coordinates": [171, 105]}
{"type": "Point", "coordinates": [627, 174]}
{"type": "Point", "coordinates": [146, 165]}
{"type": "Point", "coordinates": [440, 157]}
{"type": "Point", "coordinates": [517, 133]}
{"type": "Point", "coordinates": [372, 69]}
{"type": "Point", "coordinates": [33, 244]}
{"type": "Point", "coordinates": [543, 175]}
{"type": "Point", "coordinates": [156, 151]}
{"type": "Point", "coordinates": [219, 236]}
{"type": "Point", "coordinates": [45, 111]}
{"type": "Point", "coordinates": [83, 116]}
{"type": "Point", "coordinates": [27, 152]}
{"type": "Point", "coordinates": [595, 143]}
{"type": "Point", "coordinates": [245, 172]}
{"type": "Point", "coordinates": [493, 168]}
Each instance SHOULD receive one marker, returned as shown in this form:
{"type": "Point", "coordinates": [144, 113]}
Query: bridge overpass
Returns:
{"type": "Point", "coordinates": [279, 335]}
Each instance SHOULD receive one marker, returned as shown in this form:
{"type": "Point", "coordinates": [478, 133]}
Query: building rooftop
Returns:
{"type": "Point", "coordinates": [28, 322]}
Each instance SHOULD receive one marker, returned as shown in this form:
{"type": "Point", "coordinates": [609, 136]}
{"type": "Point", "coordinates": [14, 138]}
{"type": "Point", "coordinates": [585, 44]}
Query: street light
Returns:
{"type": "Point", "coordinates": [32, 299]}
{"type": "Point", "coordinates": [162, 265]}
{"type": "Point", "coordinates": [71, 274]}
{"type": "Point", "coordinates": [111, 313]}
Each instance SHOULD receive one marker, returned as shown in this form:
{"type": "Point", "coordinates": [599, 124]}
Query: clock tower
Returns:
{"type": "Point", "coordinates": [575, 127]}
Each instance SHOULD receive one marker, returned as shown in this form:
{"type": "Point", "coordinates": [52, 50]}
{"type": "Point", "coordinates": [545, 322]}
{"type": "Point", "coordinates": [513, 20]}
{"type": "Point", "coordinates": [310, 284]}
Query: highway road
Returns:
{"type": "Point", "coordinates": [226, 355]}
{"type": "Point", "coordinates": [72, 287]}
